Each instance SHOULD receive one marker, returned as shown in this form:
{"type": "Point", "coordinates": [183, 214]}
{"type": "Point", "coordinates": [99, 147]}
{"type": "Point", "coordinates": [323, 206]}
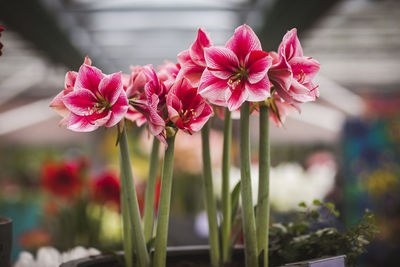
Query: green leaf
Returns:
{"type": "Point", "coordinates": [303, 204]}
{"type": "Point", "coordinates": [317, 202]}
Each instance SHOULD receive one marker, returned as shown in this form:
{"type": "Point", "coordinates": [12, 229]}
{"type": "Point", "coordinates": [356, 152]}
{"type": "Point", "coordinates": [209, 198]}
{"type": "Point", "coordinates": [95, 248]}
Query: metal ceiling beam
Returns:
{"type": "Point", "coordinates": [284, 15]}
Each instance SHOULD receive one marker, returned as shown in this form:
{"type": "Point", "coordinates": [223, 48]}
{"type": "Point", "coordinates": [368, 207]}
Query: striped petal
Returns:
{"type": "Point", "coordinates": [213, 88]}
{"type": "Point", "coordinates": [243, 42]}
{"type": "Point", "coordinates": [110, 87]}
{"type": "Point", "coordinates": [221, 62]}
{"type": "Point", "coordinates": [88, 78]}
{"type": "Point", "coordinates": [81, 102]}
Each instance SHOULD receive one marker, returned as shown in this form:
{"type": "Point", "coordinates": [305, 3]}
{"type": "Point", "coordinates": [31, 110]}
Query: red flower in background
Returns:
{"type": "Point", "coordinates": [106, 188]}
{"type": "Point", "coordinates": [1, 45]}
{"type": "Point", "coordinates": [62, 179]}
{"type": "Point", "coordinates": [157, 194]}
{"type": "Point", "coordinates": [141, 192]}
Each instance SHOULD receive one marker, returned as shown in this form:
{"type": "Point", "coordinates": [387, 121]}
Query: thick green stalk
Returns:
{"type": "Point", "coordinates": [160, 251]}
{"type": "Point", "coordinates": [211, 205]}
{"type": "Point", "coordinates": [262, 220]}
{"type": "Point", "coordinates": [127, 229]}
{"type": "Point", "coordinates": [226, 197]}
{"type": "Point", "coordinates": [150, 191]}
{"type": "Point", "coordinates": [249, 223]}
{"type": "Point", "coordinates": [131, 201]}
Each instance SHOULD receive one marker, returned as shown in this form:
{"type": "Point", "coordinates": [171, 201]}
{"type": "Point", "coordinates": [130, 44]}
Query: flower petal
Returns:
{"type": "Point", "coordinates": [190, 69]}
{"type": "Point", "coordinates": [202, 118]}
{"type": "Point", "coordinates": [110, 87]}
{"type": "Point", "coordinates": [58, 106]}
{"type": "Point", "coordinates": [304, 68]}
{"type": "Point", "coordinates": [213, 88]}
{"type": "Point", "coordinates": [235, 98]}
{"type": "Point", "coordinates": [243, 42]}
{"type": "Point", "coordinates": [118, 110]}
{"type": "Point", "coordinates": [80, 124]}
{"type": "Point", "coordinates": [258, 91]}
{"type": "Point", "coordinates": [88, 78]}
{"type": "Point", "coordinates": [221, 61]}
{"type": "Point", "coordinates": [290, 46]}
{"type": "Point", "coordinates": [81, 102]}
{"type": "Point", "coordinates": [156, 122]}
{"type": "Point", "coordinates": [280, 74]}
{"type": "Point", "coordinates": [197, 48]}
{"type": "Point", "coordinates": [257, 62]}
{"type": "Point", "coordinates": [135, 116]}
{"type": "Point", "coordinates": [70, 79]}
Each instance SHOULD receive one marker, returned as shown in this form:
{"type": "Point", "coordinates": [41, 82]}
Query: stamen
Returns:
{"type": "Point", "coordinates": [301, 77]}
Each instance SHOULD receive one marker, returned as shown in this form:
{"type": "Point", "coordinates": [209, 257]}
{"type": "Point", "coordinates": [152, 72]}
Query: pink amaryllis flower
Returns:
{"type": "Point", "coordinates": [192, 60]}
{"type": "Point", "coordinates": [57, 103]}
{"type": "Point", "coordinates": [292, 73]}
{"type": "Point", "coordinates": [96, 100]}
{"type": "Point", "coordinates": [153, 107]}
{"type": "Point", "coordinates": [133, 85]}
{"type": "Point", "coordinates": [186, 108]}
{"type": "Point", "coordinates": [237, 72]}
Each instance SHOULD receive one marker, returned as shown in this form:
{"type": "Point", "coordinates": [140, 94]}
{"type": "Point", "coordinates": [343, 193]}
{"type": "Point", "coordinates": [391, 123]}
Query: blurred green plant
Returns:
{"type": "Point", "coordinates": [313, 234]}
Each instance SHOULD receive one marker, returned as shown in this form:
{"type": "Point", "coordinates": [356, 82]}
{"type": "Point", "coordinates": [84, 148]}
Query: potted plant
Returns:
{"type": "Point", "coordinates": [208, 79]}
{"type": "Point", "coordinates": [306, 241]}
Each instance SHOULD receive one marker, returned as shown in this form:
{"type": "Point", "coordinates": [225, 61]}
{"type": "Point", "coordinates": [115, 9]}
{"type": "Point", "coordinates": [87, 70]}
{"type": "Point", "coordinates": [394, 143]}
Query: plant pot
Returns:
{"type": "Point", "coordinates": [338, 261]}
{"type": "Point", "coordinates": [5, 241]}
{"type": "Point", "coordinates": [197, 256]}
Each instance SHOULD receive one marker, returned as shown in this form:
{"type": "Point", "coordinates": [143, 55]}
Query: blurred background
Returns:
{"type": "Point", "coordinates": [60, 187]}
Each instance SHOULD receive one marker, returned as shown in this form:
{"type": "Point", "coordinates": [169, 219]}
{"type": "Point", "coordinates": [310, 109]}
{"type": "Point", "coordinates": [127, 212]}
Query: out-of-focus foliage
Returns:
{"type": "Point", "coordinates": [313, 234]}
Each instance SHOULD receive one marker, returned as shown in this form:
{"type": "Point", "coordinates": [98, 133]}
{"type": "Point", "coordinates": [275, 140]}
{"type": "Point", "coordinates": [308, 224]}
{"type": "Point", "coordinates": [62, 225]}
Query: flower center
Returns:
{"type": "Point", "coordinates": [187, 115]}
{"type": "Point", "coordinates": [100, 106]}
{"type": "Point", "coordinates": [301, 77]}
{"type": "Point", "coordinates": [241, 75]}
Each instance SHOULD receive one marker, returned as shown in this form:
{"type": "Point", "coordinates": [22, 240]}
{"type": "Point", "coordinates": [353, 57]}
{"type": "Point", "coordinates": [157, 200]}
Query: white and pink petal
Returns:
{"type": "Point", "coordinates": [221, 62]}
{"type": "Point", "coordinates": [81, 102]}
{"type": "Point", "coordinates": [88, 78]}
{"type": "Point", "coordinates": [257, 63]}
{"type": "Point", "coordinates": [110, 87]}
{"type": "Point", "coordinates": [243, 42]}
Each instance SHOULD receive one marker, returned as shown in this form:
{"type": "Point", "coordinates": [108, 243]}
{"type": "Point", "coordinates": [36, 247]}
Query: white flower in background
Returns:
{"type": "Point", "coordinates": [51, 257]}
{"type": "Point", "coordinates": [290, 183]}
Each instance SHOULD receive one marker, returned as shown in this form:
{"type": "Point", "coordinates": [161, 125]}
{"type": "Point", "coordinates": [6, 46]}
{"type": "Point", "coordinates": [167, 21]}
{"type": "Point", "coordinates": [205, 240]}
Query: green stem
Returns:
{"type": "Point", "coordinates": [150, 191]}
{"type": "Point", "coordinates": [249, 224]}
{"type": "Point", "coordinates": [211, 206]}
{"type": "Point", "coordinates": [164, 206]}
{"type": "Point", "coordinates": [263, 185]}
{"type": "Point", "coordinates": [127, 229]}
{"type": "Point", "coordinates": [226, 198]}
{"type": "Point", "coordinates": [131, 201]}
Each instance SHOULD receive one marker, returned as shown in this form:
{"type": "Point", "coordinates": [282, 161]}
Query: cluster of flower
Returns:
{"type": "Point", "coordinates": [67, 179]}
{"type": "Point", "coordinates": [182, 95]}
